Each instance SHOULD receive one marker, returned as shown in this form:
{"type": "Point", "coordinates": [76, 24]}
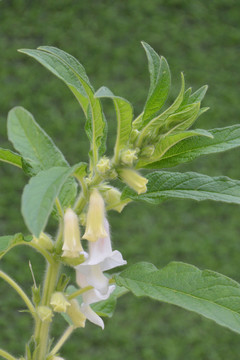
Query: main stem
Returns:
{"type": "Point", "coordinates": [42, 327]}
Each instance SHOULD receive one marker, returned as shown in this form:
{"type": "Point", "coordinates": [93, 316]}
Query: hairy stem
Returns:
{"type": "Point", "coordinates": [42, 327]}
{"type": "Point", "coordinates": [62, 340]}
{"type": "Point", "coordinates": [6, 355]}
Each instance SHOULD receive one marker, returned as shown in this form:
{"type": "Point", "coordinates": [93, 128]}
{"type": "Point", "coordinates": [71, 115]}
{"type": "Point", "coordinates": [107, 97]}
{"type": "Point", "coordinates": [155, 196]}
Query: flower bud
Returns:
{"type": "Point", "coordinates": [59, 302]}
{"type": "Point", "coordinates": [113, 199]}
{"type": "Point", "coordinates": [133, 179]}
{"type": "Point", "coordinates": [77, 317]}
{"type": "Point", "coordinates": [128, 157]}
{"type": "Point", "coordinates": [45, 313]}
{"type": "Point", "coordinates": [103, 165]}
{"type": "Point", "coordinates": [95, 218]}
{"type": "Point", "coordinates": [148, 151]}
{"type": "Point", "coordinates": [44, 241]}
{"type": "Point", "coordinates": [72, 247]}
{"type": "Point", "coordinates": [134, 135]}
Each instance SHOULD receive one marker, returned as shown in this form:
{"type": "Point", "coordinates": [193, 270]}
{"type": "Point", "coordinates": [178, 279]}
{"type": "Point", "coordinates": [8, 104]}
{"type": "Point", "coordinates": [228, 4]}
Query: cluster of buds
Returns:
{"type": "Point", "coordinates": [100, 258]}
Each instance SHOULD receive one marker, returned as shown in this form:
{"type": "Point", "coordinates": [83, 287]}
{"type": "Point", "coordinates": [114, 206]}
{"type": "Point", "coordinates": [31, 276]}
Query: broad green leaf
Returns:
{"type": "Point", "coordinates": [10, 241]}
{"type": "Point", "coordinates": [37, 149]}
{"type": "Point", "coordinates": [187, 150]}
{"type": "Point", "coordinates": [165, 185]}
{"type": "Point", "coordinates": [166, 142]}
{"type": "Point", "coordinates": [206, 292]}
{"type": "Point", "coordinates": [75, 77]}
{"type": "Point", "coordinates": [39, 196]}
{"type": "Point", "coordinates": [32, 142]}
{"type": "Point", "coordinates": [10, 157]}
{"type": "Point", "coordinates": [159, 84]}
{"type": "Point", "coordinates": [155, 123]}
{"type": "Point", "coordinates": [124, 114]}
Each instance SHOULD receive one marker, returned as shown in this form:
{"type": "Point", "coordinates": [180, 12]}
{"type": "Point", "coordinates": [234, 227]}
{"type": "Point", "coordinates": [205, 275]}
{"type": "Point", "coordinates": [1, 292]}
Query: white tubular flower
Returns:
{"type": "Point", "coordinates": [101, 253]}
{"type": "Point", "coordinates": [72, 247]}
{"type": "Point", "coordinates": [133, 179]}
{"type": "Point", "coordinates": [91, 315]}
{"type": "Point", "coordinates": [95, 218]}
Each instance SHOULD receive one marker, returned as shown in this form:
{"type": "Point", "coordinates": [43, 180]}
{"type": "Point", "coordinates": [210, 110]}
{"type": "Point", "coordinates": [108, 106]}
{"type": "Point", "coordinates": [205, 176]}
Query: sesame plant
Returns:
{"type": "Point", "coordinates": [79, 196]}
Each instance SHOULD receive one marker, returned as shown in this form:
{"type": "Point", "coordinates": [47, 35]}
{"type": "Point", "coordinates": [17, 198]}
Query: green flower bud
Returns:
{"type": "Point", "coordinates": [128, 157]}
{"type": "Point", "coordinates": [77, 317]}
{"type": "Point", "coordinates": [113, 199]}
{"type": "Point", "coordinates": [133, 179]}
{"type": "Point", "coordinates": [59, 302]}
{"type": "Point", "coordinates": [45, 313]}
{"type": "Point", "coordinates": [104, 165]}
{"type": "Point", "coordinates": [148, 151]}
{"type": "Point", "coordinates": [44, 241]}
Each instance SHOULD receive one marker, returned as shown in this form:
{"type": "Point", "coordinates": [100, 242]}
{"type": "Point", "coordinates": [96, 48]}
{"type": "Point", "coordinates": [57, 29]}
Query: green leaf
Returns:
{"type": "Point", "coordinates": [10, 157]}
{"type": "Point", "coordinates": [63, 71]}
{"type": "Point", "coordinates": [159, 84]}
{"type": "Point", "coordinates": [31, 141]}
{"type": "Point", "coordinates": [80, 169]}
{"type": "Point", "coordinates": [187, 150]}
{"type": "Point", "coordinates": [166, 142]}
{"type": "Point", "coordinates": [72, 73]}
{"type": "Point", "coordinates": [207, 293]}
{"type": "Point", "coordinates": [124, 113]}
{"type": "Point", "coordinates": [165, 185]}
{"type": "Point", "coordinates": [182, 119]}
{"type": "Point", "coordinates": [198, 95]}
{"type": "Point", "coordinates": [39, 196]}
{"type": "Point", "coordinates": [153, 126]}
{"type": "Point", "coordinates": [37, 149]}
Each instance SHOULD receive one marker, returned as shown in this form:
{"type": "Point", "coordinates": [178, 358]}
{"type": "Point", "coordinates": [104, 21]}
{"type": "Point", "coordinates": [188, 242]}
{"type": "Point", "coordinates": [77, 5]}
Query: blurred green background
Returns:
{"type": "Point", "coordinates": [202, 38]}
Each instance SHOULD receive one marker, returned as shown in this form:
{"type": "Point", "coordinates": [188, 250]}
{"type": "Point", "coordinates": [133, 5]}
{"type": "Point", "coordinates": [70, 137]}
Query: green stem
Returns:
{"type": "Point", "coordinates": [62, 340]}
{"type": "Point", "coordinates": [6, 355]}
{"type": "Point", "coordinates": [42, 327]}
{"type": "Point", "coordinates": [79, 292]}
{"type": "Point", "coordinates": [20, 292]}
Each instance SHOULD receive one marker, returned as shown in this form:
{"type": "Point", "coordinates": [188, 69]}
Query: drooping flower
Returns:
{"type": "Point", "coordinates": [95, 217]}
{"type": "Point", "coordinates": [72, 247]}
{"type": "Point", "coordinates": [133, 179]}
{"type": "Point", "coordinates": [90, 273]}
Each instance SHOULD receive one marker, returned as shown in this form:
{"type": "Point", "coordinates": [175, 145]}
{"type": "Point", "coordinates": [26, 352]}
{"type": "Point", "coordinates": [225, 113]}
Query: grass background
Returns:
{"type": "Point", "coordinates": [202, 39]}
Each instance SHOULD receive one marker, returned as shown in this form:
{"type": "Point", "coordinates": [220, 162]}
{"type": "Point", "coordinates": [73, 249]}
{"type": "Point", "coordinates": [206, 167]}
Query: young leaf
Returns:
{"type": "Point", "coordinates": [39, 196]}
{"type": "Point", "coordinates": [165, 185]}
{"type": "Point", "coordinates": [198, 95]}
{"type": "Point", "coordinates": [10, 157]}
{"type": "Point", "coordinates": [58, 63]}
{"type": "Point", "coordinates": [187, 150]}
{"type": "Point", "coordinates": [124, 113]}
{"type": "Point", "coordinates": [206, 292]}
{"type": "Point", "coordinates": [159, 84]}
{"type": "Point", "coordinates": [159, 120]}
{"type": "Point", "coordinates": [166, 142]}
